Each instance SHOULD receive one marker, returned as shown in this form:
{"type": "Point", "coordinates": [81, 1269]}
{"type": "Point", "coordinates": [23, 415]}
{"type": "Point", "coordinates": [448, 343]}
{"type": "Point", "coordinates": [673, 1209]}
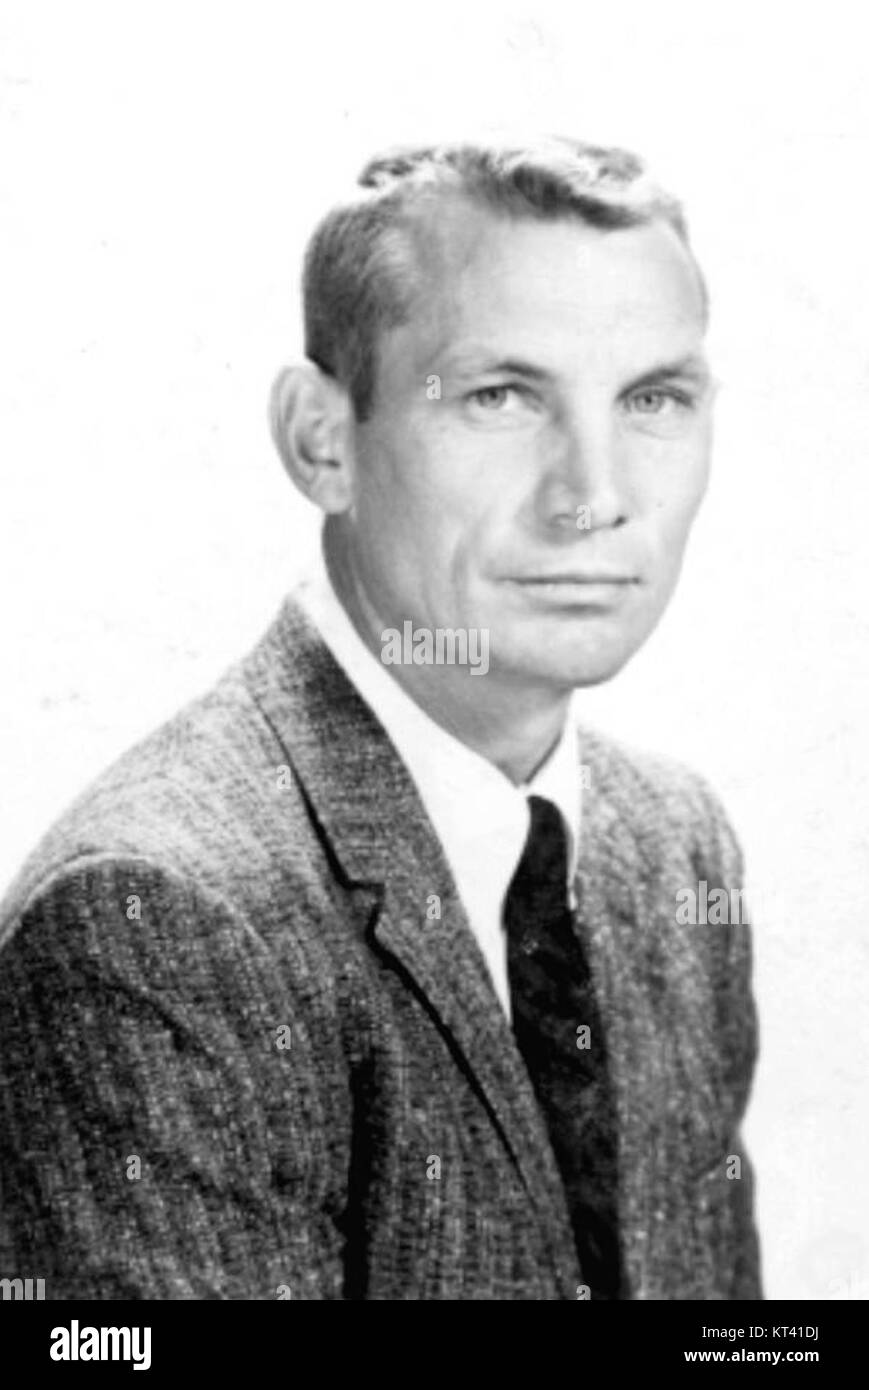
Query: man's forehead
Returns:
{"type": "Point", "coordinates": [454, 236]}
{"type": "Point", "coordinates": [484, 276]}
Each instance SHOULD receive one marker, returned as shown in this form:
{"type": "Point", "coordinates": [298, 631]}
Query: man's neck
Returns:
{"type": "Point", "coordinates": [515, 727]}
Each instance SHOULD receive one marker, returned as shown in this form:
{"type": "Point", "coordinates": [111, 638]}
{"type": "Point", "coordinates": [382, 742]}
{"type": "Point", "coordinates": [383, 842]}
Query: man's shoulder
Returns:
{"type": "Point", "coordinates": [192, 798]}
{"type": "Point", "coordinates": [658, 795]}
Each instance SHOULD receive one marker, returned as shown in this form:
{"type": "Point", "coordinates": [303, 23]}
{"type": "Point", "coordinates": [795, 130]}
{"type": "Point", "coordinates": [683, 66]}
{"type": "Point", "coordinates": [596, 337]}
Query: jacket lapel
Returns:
{"type": "Point", "coordinates": [368, 810]}
{"type": "Point", "coordinates": [448, 971]}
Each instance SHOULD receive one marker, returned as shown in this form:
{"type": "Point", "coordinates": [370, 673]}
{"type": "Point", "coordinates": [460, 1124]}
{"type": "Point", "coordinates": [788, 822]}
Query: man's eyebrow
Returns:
{"type": "Point", "coordinates": [690, 368]}
{"type": "Point", "coordinates": [471, 362]}
{"type": "Point", "coordinates": [486, 363]}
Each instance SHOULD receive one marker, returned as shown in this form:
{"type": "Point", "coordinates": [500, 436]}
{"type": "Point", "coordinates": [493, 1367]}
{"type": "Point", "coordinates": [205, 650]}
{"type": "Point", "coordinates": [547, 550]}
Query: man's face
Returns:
{"type": "Point", "coordinates": [538, 447]}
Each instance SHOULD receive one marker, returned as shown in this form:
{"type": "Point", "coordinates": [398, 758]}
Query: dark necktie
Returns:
{"type": "Point", "coordinates": [552, 1000]}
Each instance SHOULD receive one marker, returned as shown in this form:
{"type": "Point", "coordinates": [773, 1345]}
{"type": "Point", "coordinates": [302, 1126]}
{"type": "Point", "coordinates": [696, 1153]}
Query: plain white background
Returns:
{"type": "Point", "coordinates": [160, 168]}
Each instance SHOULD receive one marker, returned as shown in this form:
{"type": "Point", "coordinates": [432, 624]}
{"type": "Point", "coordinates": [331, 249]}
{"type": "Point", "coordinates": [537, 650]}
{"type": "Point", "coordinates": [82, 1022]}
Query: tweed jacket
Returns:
{"type": "Point", "coordinates": [239, 1058]}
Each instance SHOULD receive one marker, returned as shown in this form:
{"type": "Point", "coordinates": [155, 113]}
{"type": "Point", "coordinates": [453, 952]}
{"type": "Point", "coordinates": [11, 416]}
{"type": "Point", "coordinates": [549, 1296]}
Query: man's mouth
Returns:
{"type": "Point", "coordinates": [589, 589]}
{"type": "Point", "coordinates": [587, 577]}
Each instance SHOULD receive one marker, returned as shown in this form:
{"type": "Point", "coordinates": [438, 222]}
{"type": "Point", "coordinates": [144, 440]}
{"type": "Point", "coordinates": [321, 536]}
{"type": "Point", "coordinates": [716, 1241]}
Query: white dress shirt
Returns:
{"type": "Point", "coordinates": [481, 818]}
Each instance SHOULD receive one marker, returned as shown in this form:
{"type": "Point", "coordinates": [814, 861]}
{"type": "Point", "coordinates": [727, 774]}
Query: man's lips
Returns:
{"type": "Point", "coordinates": [588, 577]}
{"type": "Point", "coordinates": [592, 591]}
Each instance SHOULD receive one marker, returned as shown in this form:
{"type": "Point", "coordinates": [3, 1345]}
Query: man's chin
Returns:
{"type": "Point", "coordinates": [589, 654]}
{"type": "Point", "coordinates": [566, 671]}
{"type": "Point", "coordinates": [588, 673]}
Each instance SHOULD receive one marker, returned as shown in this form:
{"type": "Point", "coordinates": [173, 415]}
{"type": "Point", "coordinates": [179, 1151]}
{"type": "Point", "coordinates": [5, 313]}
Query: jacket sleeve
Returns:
{"type": "Point", "coordinates": [156, 1139]}
{"type": "Point", "coordinates": [738, 1255]}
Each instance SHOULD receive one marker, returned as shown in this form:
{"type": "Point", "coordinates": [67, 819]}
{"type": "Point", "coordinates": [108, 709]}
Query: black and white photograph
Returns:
{"type": "Point", "coordinates": [435, 825]}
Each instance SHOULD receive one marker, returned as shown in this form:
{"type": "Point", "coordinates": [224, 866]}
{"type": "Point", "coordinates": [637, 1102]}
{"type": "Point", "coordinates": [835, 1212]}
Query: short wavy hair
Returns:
{"type": "Point", "coordinates": [361, 271]}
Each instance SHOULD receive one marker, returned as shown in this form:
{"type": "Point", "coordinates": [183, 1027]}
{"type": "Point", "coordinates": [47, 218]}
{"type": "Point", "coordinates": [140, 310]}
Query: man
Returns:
{"type": "Point", "coordinates": [363, 978]}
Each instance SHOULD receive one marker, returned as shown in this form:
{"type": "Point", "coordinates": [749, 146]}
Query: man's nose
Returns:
{"type": "Point", "coordinates": [582, 484]}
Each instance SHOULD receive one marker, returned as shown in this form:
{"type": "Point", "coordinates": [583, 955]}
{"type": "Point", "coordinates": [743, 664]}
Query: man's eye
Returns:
{"type": "Point", "coordinates": [656, 400]}
{"type": "Point", "coordinates": [492, 397]}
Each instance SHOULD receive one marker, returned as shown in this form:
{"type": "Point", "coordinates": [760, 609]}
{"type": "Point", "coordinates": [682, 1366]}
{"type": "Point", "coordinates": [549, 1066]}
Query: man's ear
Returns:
{"type": "Point", "coordinates": [311, 416]}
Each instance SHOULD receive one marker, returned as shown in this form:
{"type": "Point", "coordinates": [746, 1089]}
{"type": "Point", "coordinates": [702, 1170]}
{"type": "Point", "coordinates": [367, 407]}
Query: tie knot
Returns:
{"type": "Point", "coordinates": [546, 844]}
{"type": "Point", "coordinates": [538, 890]}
